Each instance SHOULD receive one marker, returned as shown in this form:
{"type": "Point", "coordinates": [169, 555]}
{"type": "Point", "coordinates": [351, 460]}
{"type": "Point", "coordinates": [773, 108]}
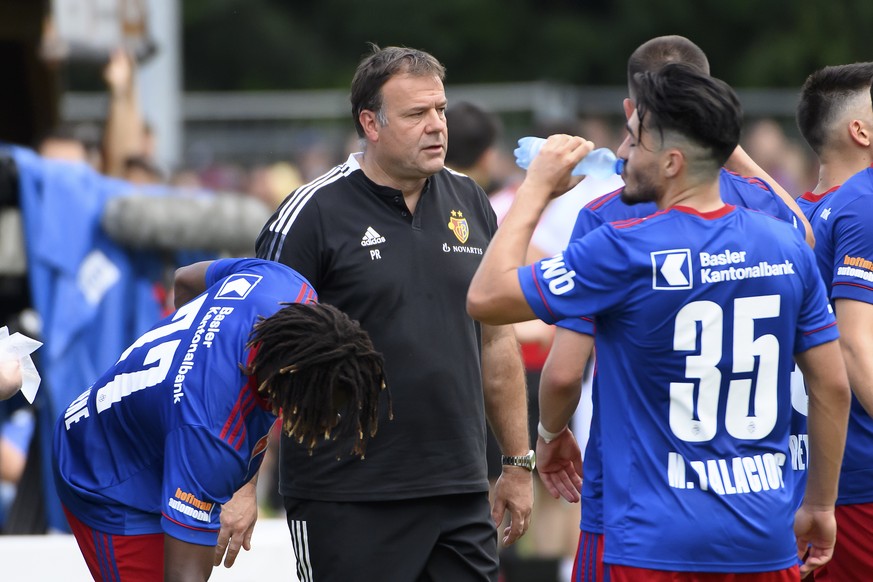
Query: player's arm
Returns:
{"type": "Point", "coordinates": [189, 282]}
{"type": "Point", "coordinates": [208, 470]}
{"type": "Point", "coordinates": [238, 518]}
{"type": "Point", "coordinates": [534, 331]}
{"type": "Point", "coordinates": [855, 322]}
{"type": "Point", "coordinates": [124, 128]}
{"type": "Point", "coordinates": [184, 562]}
{"type": "Point", "coordinates": [829, 402]}
{"type": "Point", "coordinates": [495, 294]}
{"type": "Point", "coordinates": [506, 408]}
{"type": "Point", "coordinates": [559, 462]}
{"type": "Point", "coordinates": [741, 163]}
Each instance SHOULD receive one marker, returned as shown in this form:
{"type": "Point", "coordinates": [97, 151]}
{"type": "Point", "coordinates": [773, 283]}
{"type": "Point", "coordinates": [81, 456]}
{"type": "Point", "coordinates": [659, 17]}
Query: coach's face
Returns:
{"type": "Point", "coordinates": [411, 137]}
{"type": "Point", "coordinates": [641, 174]}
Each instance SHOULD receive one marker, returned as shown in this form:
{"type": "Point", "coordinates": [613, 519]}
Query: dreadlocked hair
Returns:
{"type": "Point", "coordinates": [318, 368]}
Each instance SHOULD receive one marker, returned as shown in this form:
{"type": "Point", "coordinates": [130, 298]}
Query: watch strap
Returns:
{"type": "Point", "coordinates": [523, 461]}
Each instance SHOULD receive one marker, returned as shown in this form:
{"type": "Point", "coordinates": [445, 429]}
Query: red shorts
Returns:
{"type": "Point", "coordinates": [588, 565]}
{"type": "Point", "coordinates": [115, 557]}
{"type": "Point", "coordinates": [629, 574]}
{"type": "Point", "coordinates": [853, 554]}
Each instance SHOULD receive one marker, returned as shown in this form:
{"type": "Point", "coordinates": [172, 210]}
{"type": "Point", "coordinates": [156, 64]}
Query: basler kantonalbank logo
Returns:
{"type": "Point", "coordinates": [672, 269]}
{"type": "Point", "coordinates": [238, 286]}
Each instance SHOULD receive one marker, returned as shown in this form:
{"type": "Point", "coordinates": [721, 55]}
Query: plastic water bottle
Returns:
{"type": "Point", "coordinates": [600, 163]}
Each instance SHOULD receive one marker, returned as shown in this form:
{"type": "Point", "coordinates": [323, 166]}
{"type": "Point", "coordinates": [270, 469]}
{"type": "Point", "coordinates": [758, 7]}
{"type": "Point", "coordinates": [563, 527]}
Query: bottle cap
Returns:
{"type": "Point", "coordinates": [619, 166]}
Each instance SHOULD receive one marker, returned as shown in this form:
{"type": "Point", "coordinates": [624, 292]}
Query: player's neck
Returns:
{"type": "Point", "coordinates": [837, 167]}
{"type": "Point", "coordinates": [702, 196]}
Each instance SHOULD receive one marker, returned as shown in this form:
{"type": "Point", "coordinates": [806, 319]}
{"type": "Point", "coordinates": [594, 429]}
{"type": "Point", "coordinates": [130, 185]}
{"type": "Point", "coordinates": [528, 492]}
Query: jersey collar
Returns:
{"type": "Point", "coordinates": [810, 197]}
{"type": "Point", "coordinates": [711, 215]}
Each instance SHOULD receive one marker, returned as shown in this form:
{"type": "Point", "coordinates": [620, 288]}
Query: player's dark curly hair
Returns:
{"type": "Point", "coordinates": [318, 368]}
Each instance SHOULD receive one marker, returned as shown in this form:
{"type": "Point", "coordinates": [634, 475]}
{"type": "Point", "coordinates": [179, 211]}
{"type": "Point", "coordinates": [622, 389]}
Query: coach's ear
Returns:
{"type": "Point", "coordinates": [370, 122]}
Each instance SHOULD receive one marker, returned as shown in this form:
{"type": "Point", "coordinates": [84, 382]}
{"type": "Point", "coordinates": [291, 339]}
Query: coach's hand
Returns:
{"type": "Point", "coordinates": [513, 491]}
{"type": "Point", "coordinates": [238, 517]}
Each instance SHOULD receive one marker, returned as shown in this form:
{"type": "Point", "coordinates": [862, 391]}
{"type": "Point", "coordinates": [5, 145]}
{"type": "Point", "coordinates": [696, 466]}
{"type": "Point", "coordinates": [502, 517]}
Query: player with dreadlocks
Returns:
{"type": "Point", "coordinates": [306, 346]}
{"type": "Point", "coordinates": [152, 457]}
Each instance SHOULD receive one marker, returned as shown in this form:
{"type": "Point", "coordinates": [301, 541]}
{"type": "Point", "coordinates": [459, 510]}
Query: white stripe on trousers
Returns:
{"type": "Point", "coordinates": [300, 541]}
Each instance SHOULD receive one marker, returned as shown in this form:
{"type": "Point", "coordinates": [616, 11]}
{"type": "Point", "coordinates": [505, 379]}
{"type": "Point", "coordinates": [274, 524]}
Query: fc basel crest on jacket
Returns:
{"type": "Point", "coordinates": [458, 225]}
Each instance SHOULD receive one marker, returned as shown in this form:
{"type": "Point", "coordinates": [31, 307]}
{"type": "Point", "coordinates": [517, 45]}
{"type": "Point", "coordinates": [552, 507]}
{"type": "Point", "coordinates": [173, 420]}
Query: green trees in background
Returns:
{"type": "Point", "coordinates": [300, 44]}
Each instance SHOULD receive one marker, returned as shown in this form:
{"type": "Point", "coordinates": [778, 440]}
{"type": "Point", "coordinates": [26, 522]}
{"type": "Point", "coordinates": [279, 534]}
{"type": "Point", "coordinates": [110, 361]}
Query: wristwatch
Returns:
{"type": "Point", "coordinates": [528, 461]}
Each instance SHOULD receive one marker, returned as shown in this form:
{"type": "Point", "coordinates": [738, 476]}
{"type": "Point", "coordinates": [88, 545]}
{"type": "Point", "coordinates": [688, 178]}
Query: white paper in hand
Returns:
{"type": "Point", "coordinates": [18, 347]}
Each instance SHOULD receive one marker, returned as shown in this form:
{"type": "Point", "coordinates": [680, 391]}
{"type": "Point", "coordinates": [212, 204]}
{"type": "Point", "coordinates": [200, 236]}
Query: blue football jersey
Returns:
{"type": "Point", "coordinates": [174, 428]}
{"type": "Point", "coordinates": [750, 193]}
{"type": "Point", "coordinates": [698, 317]}
{"type": "Point", "coordinates": [840, 220]}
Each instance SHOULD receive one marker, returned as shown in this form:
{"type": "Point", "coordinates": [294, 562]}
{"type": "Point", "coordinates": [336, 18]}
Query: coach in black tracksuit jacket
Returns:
{"type": "Point", "coordinates": [393, 238]}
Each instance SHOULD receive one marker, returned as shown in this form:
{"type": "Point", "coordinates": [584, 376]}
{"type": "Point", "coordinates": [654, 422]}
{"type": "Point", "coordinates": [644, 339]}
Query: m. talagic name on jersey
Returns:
{"type": "Point", "coordinates": [736, 475]}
